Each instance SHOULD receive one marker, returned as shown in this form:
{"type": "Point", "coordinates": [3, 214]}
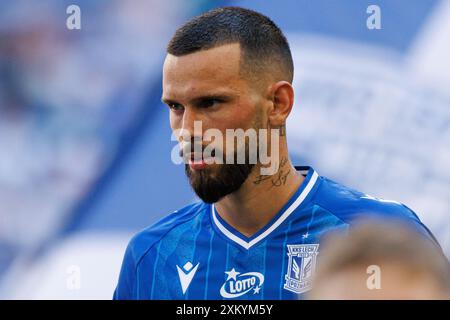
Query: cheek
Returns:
{"type": "Point", "coordinates": [245, 120]}
{"type": "Point", "coordinates": [238, 117]}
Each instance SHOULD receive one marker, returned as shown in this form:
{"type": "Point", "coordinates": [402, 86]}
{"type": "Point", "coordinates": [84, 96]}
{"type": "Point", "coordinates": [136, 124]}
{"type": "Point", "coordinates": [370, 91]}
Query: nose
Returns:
{"type": "Point", "coordinates": [187, 124]}
{"type": "Point", "coordinates": [191, 126]}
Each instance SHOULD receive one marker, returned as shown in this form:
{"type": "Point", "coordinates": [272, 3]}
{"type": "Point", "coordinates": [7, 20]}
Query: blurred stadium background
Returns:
{"type": "Point", "coordinates": [85, 142]}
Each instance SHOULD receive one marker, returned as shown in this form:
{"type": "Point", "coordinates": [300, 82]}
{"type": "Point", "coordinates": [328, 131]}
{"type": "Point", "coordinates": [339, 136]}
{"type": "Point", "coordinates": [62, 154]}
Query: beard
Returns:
{"type": "Point", "coordinates": [213, 186]}
{"type": "Point", "coordinates": [217, 181]}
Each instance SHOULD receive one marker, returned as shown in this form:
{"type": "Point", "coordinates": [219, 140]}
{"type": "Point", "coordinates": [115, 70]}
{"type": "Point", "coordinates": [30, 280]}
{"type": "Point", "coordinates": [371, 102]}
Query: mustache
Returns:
{"type": "Point", "coordinates": [192, 148]}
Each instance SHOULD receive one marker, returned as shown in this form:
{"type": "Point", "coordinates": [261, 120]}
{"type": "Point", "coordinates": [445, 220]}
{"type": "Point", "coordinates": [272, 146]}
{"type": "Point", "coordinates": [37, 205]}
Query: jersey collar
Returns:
{"type": "Point", "coordinates": [294, 202]}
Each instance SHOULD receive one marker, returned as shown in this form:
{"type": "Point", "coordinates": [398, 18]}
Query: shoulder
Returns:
{"type": "Point", "coordinates": [144, 240]}
{"type": "Point", "coordinates": [352, 206]}
{"type": "Point", "coordinates": [346, 202]}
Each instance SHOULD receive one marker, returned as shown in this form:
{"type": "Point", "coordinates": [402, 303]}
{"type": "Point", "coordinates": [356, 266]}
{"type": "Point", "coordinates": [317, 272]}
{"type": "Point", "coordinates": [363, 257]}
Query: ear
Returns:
{"type": "Point", "coordinates": [282, 96]}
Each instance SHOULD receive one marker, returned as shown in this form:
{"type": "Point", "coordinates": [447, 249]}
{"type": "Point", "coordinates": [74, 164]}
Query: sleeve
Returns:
{"type": "Point", "coordinates": [417, 225]}
{"type": "Point", "coordinates": [398, 212]}
{"type": "Point", "coordinates": [126, 286]}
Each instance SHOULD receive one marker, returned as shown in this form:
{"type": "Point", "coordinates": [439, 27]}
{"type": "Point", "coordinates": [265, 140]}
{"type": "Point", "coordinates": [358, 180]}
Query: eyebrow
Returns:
{"type": "Point", "coordinates": [168, 101]}
{"type": "Point", "coordinates": [221, 97]}
{"type": "Point", "coordinates": [197, 100]}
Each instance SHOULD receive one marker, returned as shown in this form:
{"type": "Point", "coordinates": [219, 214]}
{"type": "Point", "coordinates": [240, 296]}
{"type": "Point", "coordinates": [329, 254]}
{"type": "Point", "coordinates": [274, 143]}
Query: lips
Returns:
{"type": "Point", "coordinates": [195, 157]}
{"type": "Point", "coordinates": [198, 165]}
{"type": "Point", "coordinates": [197, 162]}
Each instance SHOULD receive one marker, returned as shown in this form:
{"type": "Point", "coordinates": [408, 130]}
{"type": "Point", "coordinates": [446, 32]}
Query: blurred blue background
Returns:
{"type": "Point", "coordinates": [85, 142]}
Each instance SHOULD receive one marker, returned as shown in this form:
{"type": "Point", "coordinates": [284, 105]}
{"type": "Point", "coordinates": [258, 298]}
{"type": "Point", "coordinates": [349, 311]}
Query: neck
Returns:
{"type": "Point", "coordinates": [260, 198]}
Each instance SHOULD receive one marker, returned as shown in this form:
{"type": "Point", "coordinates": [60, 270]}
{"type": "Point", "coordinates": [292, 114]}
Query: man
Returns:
{"type": "Point", "coordinates": [254, 235]}
{"type": "Point", "coordinates": [399, 265]}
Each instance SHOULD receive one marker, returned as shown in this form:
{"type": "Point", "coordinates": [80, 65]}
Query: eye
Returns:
{"type": "Point", "coordinates": [175, 107]}
{"type": "Point", "coordinates": [209, 103]}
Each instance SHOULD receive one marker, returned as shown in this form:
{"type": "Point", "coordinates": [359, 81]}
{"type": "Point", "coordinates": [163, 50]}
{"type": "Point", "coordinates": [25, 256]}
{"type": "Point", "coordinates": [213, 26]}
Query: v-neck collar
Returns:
{"type": "Point", "coordinates": [293, 203]}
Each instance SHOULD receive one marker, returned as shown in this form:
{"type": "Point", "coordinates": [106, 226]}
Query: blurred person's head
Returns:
{"type": "Point", "coordinates": [381, 261]}
{"type": "Point", "coordinates": [230, 68]}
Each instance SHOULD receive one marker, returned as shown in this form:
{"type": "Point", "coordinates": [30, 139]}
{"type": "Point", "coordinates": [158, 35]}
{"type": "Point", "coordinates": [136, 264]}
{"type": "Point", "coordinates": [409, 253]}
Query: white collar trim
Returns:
{"type": "Point", "coordinates": [283, 217]}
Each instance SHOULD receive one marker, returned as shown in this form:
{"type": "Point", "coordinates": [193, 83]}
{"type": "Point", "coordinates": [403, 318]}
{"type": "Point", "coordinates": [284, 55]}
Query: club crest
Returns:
{"type": "Point", "coordinates": [301, 266]}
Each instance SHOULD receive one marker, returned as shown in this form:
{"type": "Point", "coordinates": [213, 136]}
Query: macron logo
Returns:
{"type": "Point", "coordinates": [186, 274]}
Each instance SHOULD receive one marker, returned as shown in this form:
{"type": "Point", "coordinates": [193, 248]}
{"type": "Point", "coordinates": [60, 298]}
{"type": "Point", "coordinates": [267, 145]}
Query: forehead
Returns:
{"type": "Point", "coordinates": [201, 72]}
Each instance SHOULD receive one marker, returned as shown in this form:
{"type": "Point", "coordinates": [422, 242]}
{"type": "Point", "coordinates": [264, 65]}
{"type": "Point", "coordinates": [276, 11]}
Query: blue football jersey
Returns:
{"type": "Point", "coordinates": [194, 254]}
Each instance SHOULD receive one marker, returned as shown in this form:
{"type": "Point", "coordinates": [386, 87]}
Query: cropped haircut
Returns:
{"type": "Point", "coordinates": [264, 48]}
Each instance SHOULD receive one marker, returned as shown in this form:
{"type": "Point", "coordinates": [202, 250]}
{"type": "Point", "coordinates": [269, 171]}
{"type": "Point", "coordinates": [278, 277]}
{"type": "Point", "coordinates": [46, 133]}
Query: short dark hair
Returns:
{"type": "Point", "coordinates": [262, 42]}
